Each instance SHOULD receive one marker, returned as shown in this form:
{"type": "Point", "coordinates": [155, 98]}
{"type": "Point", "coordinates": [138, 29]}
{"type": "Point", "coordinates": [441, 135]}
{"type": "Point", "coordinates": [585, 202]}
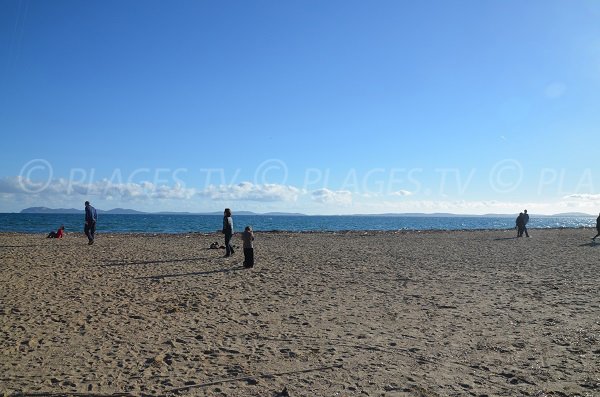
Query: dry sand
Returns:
{"type": "Point", "coordinates": [474, 313]}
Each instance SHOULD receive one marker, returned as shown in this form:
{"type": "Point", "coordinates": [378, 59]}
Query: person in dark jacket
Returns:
{"type": "Point", "coordinates": [520, 223]}
{"type": "Point", "coordinates": [91, 217]}
{"type": "Point", "coordinates": [597, 228]}
{"type": "Point", "coordinates": [228, 232]}
{"type": "Point", "coordinates": [525, 222]}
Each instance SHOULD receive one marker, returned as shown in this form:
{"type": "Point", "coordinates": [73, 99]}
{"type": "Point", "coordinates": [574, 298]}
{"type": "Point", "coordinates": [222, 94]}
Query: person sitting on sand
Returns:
{"type": "Point", "coordinates": [597, 228]}
{"type": "Point", "coordinates": [58, 234]}
{"type": "Point", "coordinates": [248, 238]}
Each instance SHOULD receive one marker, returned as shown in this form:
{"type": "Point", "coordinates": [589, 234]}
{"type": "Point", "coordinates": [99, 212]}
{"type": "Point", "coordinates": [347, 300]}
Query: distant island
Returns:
{"type": "Point", "coordinates": [126, 211]}
{"type": "Point", "coordinates": [445, 214]}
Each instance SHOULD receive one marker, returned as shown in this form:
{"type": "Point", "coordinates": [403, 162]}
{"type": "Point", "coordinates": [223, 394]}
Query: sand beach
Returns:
{"type": "Point", "coordinates": [464, 313]}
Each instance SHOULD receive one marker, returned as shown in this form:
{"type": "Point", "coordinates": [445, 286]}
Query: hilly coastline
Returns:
{"type": "Point", "coordinates": [126, 211]}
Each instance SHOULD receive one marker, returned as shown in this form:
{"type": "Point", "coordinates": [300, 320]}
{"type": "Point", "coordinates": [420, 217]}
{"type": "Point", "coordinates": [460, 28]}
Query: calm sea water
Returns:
{"type": "Point", "coordinates": [43, 223]}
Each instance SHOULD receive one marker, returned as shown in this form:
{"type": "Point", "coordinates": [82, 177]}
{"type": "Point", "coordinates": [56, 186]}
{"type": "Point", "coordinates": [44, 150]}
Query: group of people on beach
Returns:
{"type": "Point", "coordinates": [522, 221]}
{"type": "Point", "coordinates": [91, 218]}
{"type": "Point", "coordinates": [247, 239]}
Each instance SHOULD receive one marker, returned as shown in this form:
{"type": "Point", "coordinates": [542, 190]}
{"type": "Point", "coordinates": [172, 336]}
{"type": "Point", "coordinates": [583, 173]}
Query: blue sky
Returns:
{"type": "Point", "coordinates": [326, 107]}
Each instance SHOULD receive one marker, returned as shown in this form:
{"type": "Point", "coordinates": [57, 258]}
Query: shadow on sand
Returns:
{"type": "Point", "coordinates": [206, 273]}
{"type": "Point", "coordinates": [24, 246]}
{"type": "Point", "coordinates": [592, 244]}
{"type": "Point", "coordinates": [506, 238]}
{"type": "Point", "coordinates": [151, 262]}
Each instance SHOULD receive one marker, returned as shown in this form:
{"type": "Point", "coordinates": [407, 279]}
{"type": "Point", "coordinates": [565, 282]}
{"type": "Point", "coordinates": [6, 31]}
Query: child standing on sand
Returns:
{"type": "Point", "coordinates": [248, 238]}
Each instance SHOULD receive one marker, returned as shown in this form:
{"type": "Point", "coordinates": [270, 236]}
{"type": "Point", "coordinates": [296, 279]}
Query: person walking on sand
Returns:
{"type": "Point", "coordinates": [597, 228]}
{"type": "Point", "coordinates": [91, 217]}
{"type": "Point", "coordinates": [520, 225]}
{"type": "Point", "coordinates": [525, 221]}
{"type": "Point", "coordinates": [228, 232]}
{"type": "Point", "coordinates": [248, 238]}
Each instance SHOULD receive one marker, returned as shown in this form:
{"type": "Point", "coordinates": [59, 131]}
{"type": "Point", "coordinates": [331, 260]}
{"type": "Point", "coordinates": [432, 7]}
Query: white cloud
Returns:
{"type": "Point", "coordinates": [455, 207]}
{"type": "Point", "coordinates": [101, 189]}
{"type": "Point", "coordinates": [251, 192]}
{"type": "Point", "coordinates": [107, 190]}
{"type": "Point", "coordinates": [326, 196]}
{"type": "Point", "coordinates": [10, 185]}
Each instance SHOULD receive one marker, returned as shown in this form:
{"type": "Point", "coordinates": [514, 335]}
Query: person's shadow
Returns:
{"type": "Point", "coordinates": [206, 273]}
{"type": "Point", "coordinates": [592, 244]}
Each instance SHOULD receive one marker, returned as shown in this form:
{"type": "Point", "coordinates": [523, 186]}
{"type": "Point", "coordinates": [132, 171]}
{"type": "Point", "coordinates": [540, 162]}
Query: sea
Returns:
{"type": "Point", "coordinates": [172, 224]}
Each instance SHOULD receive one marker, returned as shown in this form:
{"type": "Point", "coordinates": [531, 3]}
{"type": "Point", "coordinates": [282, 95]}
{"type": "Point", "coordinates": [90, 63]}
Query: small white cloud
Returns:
{"type": "Point", "coordinates": [174, 192]}
{"type": "Point", "coordinates": [326, 196]}
{"type": "Point", "coordinates": [555, 90]}
{"type": "Point", "coordinates": [401, 193]}
{"type": "Point", "coordinates": [583, 197]}
{"type": "Point", "coordinates": [369, 195]}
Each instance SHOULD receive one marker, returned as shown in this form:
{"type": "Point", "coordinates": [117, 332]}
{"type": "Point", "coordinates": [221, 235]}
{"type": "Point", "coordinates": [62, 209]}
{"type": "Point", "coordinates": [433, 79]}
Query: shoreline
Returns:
{"type": "Point", "coordinates": [349, 231]}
